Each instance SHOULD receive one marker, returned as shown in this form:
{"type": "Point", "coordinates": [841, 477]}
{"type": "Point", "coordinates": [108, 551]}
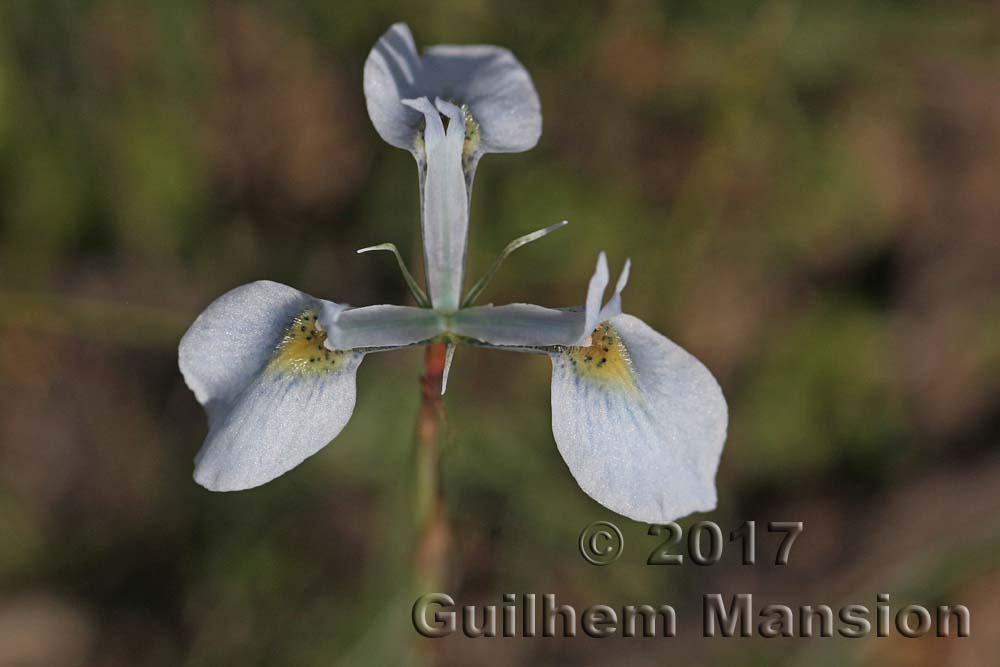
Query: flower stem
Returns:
{"type": "Point", "coordinates": [433, 534]}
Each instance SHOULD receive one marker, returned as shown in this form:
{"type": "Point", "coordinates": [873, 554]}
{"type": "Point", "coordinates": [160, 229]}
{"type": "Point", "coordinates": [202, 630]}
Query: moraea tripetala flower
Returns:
{"type": "Point", "coordinates": [640, 422]}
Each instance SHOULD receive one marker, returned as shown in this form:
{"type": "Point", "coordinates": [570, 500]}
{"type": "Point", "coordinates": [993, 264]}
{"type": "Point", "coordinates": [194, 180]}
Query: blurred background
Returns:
{"type": "Point", "coordinates": [809, 195]}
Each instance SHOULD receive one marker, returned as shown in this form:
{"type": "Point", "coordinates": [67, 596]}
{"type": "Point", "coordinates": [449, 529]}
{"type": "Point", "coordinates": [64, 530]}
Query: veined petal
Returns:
{"type": "Point", "coordinates": [380, 326]}
{"type": "Point", "coordinates": [519, 325]}
{"type": "Point", "coordinates": [274, 394]}
{"type": "Point", "coordinates": [445, 216]}
{"type": "Point", "coordinates": [639, 421]}
{"type": "Point", "coordinates": [504, 111]}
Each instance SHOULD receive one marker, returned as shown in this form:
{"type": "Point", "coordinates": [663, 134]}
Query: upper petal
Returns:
{"type": "Point", "coordinates": [274, 394]}
{"type": "Point", "coordinates": [496, 87]}
{"type": "Point", "coordinates": [393, 73]}
{"type": "Point", "coordinates": [639, 421]}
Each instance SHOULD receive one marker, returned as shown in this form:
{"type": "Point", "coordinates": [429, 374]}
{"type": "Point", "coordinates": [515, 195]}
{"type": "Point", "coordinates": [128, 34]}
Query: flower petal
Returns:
{"type": "Point", "coordinates": [497, 89]}
{"type": "Point", "coordinates": [393, 73]}
{"type": "Point", "coordinates": [380, 326]}
{"type": "Point", "coordinates": [639, 421]}
{"type": "Point", "coordinates": [445, 216]}
{"type": "Point", "coordinates": [235, 336]}
{"type": "Point", "coordinates": [449, 356]}
{"type": "Point", "coordinates": [274, 394]}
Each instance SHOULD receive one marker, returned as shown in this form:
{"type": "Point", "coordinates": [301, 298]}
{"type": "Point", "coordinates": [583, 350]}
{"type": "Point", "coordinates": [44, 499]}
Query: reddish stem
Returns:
{"type": "Point", "coordinates": [433, 535]}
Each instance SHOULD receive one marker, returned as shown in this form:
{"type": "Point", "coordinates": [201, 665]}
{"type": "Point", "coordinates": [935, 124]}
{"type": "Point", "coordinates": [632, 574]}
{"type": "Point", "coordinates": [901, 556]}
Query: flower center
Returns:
{"type": "Point", "coordinates": [605, 360]}
{"type": "Point", "coordinates": [301, 349]}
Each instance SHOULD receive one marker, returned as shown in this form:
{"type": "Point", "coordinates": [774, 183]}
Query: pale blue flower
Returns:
{"type": "Point", "coordinates": [640, 422]}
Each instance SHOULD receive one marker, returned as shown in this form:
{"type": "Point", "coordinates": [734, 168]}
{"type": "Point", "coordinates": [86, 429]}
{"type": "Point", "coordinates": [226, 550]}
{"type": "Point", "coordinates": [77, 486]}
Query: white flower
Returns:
{"type": "Point", "coordinates": [640, 422]}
